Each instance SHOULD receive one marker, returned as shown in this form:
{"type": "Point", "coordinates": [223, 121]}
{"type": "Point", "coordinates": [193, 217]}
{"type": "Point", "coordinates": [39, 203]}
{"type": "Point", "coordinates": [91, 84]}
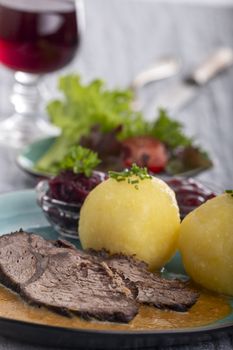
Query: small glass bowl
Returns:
{"type": "Point", "coordinates": [191, 193]}
{"type": "Point", "coordinates": [64, 217]}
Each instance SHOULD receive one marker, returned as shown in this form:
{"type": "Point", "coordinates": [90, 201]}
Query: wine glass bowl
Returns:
{"type": "Point", "coordinates": [36, 38]}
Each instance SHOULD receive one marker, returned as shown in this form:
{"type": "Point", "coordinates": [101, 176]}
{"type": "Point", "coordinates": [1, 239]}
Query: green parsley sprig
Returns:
{"type": "Point", "coordinates": [80, 160]}
{"type": "Point", "coordinates": [229, 192]}
{"type": "Point", "coordinates": [130, 174]}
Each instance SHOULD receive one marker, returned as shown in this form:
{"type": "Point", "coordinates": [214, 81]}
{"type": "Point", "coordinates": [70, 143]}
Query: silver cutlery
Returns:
{"type": "Point", "coordinates": [181, 93]}
{"type": "Point", "coordinates": [162, 68]}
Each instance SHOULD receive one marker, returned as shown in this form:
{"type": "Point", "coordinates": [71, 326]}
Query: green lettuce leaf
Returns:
{"type": "Point", "coordinates": [84, 106]}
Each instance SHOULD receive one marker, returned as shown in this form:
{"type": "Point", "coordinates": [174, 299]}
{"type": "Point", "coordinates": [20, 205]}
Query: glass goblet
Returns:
{"type": "Point", "coordinates": [36, 38]}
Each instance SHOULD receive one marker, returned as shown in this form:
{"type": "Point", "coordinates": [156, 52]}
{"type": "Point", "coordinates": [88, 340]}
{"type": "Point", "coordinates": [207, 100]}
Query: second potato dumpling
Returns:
{"type": "Point", "coordinates": [140, 219]}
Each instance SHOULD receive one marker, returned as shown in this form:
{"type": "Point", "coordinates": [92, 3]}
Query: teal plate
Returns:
{"type": "Point", "coordinates": [29, 156]}
{"type": "Point", "coordinates": [19, 210]}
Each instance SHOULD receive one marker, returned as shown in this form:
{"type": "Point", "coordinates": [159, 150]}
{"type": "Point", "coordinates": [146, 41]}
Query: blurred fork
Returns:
{"type": "Point", "coordinates": [162, 68]}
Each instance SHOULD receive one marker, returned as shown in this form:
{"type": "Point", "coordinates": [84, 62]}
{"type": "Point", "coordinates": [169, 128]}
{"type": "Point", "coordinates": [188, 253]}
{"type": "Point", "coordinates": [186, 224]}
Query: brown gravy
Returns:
{"type": "Point", "coordinates": [208, 309]}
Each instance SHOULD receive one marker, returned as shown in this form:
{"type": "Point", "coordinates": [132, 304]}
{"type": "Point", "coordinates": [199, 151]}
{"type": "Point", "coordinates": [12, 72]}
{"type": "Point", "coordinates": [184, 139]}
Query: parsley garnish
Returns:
{"type": "Point", "coordinates": [229, 192]}
{"type": "Point", "coordinates": [80, 160]}
{"type": "Point", "coordinates": [130, 174]}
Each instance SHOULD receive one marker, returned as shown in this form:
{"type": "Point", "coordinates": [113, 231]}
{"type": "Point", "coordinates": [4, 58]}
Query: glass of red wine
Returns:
{"type": "Point", "coordinates": [36, 37]}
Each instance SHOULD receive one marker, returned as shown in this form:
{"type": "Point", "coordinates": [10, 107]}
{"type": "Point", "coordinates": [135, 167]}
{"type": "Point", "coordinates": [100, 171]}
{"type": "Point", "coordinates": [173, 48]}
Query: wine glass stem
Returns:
{"type": "Point", "coordinates": [26, 95]}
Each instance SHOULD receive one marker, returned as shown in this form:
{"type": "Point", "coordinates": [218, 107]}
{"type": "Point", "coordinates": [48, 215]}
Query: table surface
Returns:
{"type": "Point", "coordinates": [124, 36]}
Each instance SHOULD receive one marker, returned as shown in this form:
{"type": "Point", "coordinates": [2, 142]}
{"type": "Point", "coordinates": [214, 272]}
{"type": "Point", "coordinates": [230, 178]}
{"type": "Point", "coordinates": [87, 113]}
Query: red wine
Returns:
{"type": "Point", "coordinates": [38, 36]}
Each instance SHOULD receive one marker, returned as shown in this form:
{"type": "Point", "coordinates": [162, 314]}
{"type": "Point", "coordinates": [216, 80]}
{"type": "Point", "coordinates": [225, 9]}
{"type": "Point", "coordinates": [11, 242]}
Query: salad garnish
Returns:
{"type": "Point", "coordinates": [88, 107]}
{"type": "Point", "coordinates": [169, 131]}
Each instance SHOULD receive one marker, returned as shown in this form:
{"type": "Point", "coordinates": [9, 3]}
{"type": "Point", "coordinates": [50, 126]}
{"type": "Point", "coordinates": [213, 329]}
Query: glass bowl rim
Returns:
{"type": "Point", "coordinates": [42, 194]}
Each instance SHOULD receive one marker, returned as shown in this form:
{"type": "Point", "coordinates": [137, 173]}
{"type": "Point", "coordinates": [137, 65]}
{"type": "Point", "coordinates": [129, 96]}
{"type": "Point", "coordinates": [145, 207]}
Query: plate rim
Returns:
{"type": "Point", "coordinates": [21, 157]}
{"type": "Point", "coordinates": [184, 331]}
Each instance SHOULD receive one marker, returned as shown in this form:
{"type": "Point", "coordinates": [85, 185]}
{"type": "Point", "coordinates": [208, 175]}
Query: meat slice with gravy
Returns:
{"type": "Point", "coordinates": [64, 279]}
{"type": "Point", "coordinates": [152, 289]}
{"type": "Point", "coordinates": [56, 275]}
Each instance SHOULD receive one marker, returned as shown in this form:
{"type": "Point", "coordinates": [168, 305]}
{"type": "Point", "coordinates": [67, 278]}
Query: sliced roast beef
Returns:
{"type": "Point", "coordinates": [74, 284]}
{"type": "Point", "coordinates": [152, 288]}
{"type": "Point", "coordinates": [64, 279]}
{"type": "Point", "coordinates": [21, 258]}
{"type": "Point", "coordinates": [56, 275]}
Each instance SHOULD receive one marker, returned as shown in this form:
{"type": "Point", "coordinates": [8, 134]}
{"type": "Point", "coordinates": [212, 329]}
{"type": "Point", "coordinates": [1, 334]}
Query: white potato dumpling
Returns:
{"type": "Point", "coordinates": [206, 244]}
{"type": "Point", "coordinates": [122, 219]}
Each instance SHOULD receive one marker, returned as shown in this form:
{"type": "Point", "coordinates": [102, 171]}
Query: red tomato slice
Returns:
{"type": "Point", "coordinates": [145, 151]}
